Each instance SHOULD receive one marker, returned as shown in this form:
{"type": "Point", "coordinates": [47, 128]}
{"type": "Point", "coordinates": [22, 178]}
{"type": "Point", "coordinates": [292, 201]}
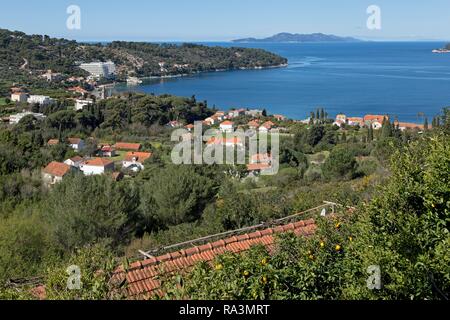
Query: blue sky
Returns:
{"type": "Point", "coordinates": [218, 20]}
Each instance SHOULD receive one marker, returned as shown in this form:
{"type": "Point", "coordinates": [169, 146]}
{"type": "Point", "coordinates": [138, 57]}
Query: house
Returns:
{"type": "Point", "coordinates": [75, 162]}
{"type": "Point", "coordinates": [227, 126]}
{"type": "Point", "coordinates": [227, 142]}
{"type": "Point", "coordinates": [42, 100]}
{"type": "Point", "coordinates": [406, 125]}
{"type": "Point", "coordinates": [254, 124]}
{"type": "Point", "coordinates": [125, 146]}
{"type": "Point", "coordinates": [254, 113]}
{"type": "Point", "coordinates": [220, 115]}
{"type": "Point", "coordinates": [236, 113]}
{"type": "Point", "coordinates": [107, 151]}
{"type": "Point", "coordinates": [76, 144]}
{"type": "Point", "coordinates": [135, 160]}
{"type": "Point", "coordinates": [97, 166]}
{"type": "Point", "coordinates": [376, 121]}
{"type": "Point", "coordinates": [20, 97]}
{"type": "Point", "coordinates": [210, 121]}
{"type": "Point", "coordinates": [266, 126]}
{"type": "Point", "coordinates": [15, 118]}
{"type": "Point", "coordinates": [52, 76]}
{"type": "Point", "coordinates": [55, 172]}
{"type": "Point", "coordinates": [189, 127]}
{"type": "Point", "coordinates": [78, 90]}
{"type": "Point", "coordinates": [261, 158]}
{"type": "Point", "coordinates": [355, 121]}
{"type": "Point", "coordinates": [279, 117]}
{"type": "Point", "coordinates": [81, 103]}
{"type": "Point", "coordinates": [341, 117]}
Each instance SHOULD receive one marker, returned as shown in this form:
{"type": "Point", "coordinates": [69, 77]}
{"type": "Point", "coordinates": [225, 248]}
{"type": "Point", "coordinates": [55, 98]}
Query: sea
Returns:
{"type": "Point", "coordinates": [400, 79]}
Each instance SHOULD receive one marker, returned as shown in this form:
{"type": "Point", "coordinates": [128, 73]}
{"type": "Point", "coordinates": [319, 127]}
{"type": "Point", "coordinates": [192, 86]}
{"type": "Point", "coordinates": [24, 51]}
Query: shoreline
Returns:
{"type": "Point", "coordinates": [284, 65]}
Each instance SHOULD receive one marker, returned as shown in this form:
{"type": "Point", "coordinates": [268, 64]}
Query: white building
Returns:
{"type": "Point", "coordinates": [76, 144]}
{"type": "Point", "coordinates": [227, 126]}
{"type": "Point", "coordinates": [15, 118]}
{"type": "Point", "coordinates": [97, 166]}
{"type": "Point", "coordinates": [42, 100]}
{"type": "Point", "coordinates": [80, 103]}
{"type": "Point", "coordinates": [19, 97]}
{"type": "Point", "coordinates": [135, 160]}
{"type": "Point", "coordinates": [74, 162]}
{"type": "Point", "coordinates": [100, 69]}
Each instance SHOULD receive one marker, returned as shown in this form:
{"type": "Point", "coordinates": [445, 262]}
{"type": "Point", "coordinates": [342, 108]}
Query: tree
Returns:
{"type": "Point", "coordinates": [315, 135]}
{"type": "Point", "coordinates": [83, 210]}
{"type": "Point", "coordinates": [340, 164]}
{"type": "Point", "coordinates": [370, 134]}
{"type": "Point", "coordinates": [25, 243]}
{"type": "Point", "coordinates": [174, 195]}
{"type": "Point", "coordinates": [425, 124]}
{"type": "Point", "coordinates": [386, 129]}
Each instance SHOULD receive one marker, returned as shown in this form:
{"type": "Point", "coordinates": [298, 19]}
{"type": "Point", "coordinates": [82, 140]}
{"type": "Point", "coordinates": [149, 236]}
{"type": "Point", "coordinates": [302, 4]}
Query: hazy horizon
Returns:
{"type": "Point", "coordinates": [206, 21]}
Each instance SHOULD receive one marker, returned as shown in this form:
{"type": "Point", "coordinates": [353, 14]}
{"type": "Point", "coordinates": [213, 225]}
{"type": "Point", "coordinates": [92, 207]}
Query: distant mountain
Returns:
{"type": "Point", "coordinates": [289, 37]}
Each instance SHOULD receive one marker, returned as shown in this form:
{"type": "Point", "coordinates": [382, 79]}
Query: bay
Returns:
{"type": "Point", "coordinates": [401, 79]}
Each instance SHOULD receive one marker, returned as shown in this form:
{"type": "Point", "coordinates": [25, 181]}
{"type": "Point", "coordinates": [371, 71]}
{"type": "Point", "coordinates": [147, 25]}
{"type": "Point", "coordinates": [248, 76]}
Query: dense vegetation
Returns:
{"type": "Point", "coordinates": [89, 221]}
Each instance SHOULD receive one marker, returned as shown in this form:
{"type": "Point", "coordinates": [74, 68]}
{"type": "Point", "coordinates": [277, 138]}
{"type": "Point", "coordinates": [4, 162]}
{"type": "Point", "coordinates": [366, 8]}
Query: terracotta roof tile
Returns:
{"type": "Point", "coordinates": [57, 169]}
{"type": "Point", "coordinates": [143, 276]}
{"type": "Point", "coordinates": [127, 146]}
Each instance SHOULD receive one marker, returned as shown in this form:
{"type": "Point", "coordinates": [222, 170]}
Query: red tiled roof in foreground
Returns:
{"type": "Point", "coordinates": [142, 276]}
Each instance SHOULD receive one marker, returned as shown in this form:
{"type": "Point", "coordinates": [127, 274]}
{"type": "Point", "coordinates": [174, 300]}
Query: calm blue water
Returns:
{"type": "Point", "coordinates": [400, 79]}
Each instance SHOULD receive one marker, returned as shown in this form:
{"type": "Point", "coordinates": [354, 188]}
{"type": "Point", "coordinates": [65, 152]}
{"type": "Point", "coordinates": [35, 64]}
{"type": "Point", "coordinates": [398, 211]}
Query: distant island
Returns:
{"type": "Point", "coordinates": [290, 37]}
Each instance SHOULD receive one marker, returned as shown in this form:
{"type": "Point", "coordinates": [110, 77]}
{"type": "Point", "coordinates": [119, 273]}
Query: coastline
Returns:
{"type": "Point", "coordinates": [284, 65]}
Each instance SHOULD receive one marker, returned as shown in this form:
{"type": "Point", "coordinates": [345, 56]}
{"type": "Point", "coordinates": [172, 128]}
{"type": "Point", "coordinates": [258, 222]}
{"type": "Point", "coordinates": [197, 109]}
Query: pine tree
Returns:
{"type": "Point", "coordinates": [386, 130]}
{"type": "Point", "coordinates": [370, 134]}
{"type": "Point", "coordinates": [425, 125]}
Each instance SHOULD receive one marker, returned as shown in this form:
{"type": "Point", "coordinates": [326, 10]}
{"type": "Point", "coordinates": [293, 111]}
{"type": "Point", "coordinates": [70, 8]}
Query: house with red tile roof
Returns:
{"type": "Point", "coordinates": [97, 166]}
{"type": "Point", "coordinates": [135, 160]}
{"type": "Point", "coordinates": [125, 146]}
{"type": "Point", "coordinates": [254, 124]}
{"type": "Point", "coordinates": [227, 142]}
{"type": "Point", "coordinates": [227, 126]}
{"type": "Point", "coordinates": [376, 121]}
{"type": "Point", "coordinates": [142, 279]}
{"type": "Point", "coordinates": [54, 172]}
{"type": "Point", "coordinates": [76, 144]}
{"type": "Point", "coordinates": [107, 151]}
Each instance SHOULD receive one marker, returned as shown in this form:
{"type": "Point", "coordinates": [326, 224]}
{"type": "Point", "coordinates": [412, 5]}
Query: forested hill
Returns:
{"type": "Point", "coordinates": [19, 51]}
